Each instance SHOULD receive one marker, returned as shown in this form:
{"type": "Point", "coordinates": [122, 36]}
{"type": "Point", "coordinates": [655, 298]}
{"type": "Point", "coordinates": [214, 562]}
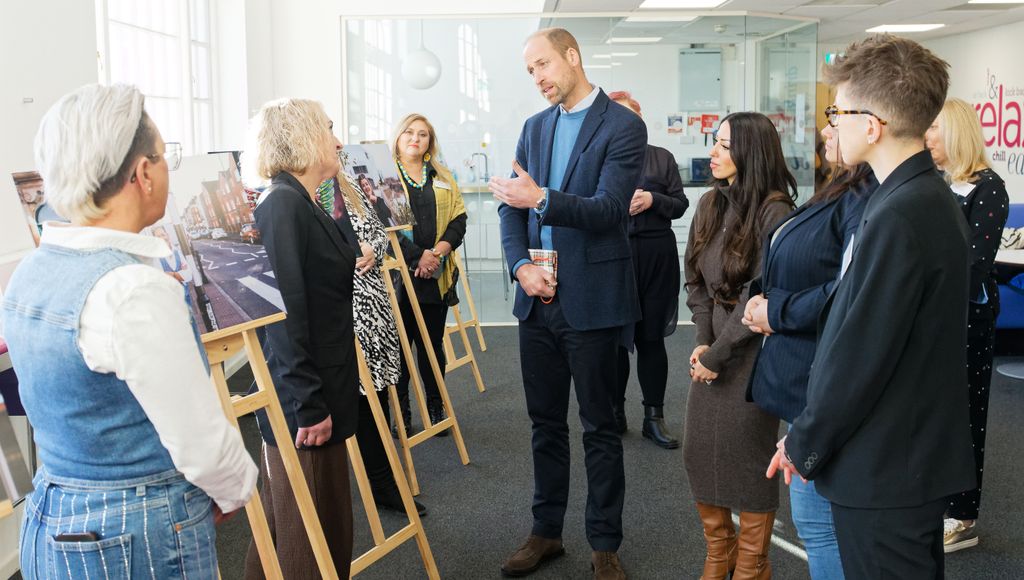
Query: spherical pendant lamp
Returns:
{"type": "Point", "coordinates": [421, 68]}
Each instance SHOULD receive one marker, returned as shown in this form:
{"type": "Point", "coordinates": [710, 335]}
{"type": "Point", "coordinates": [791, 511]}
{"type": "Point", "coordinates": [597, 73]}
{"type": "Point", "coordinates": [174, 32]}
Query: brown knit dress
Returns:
{"type": "Point", "coordinates": [727, 441]}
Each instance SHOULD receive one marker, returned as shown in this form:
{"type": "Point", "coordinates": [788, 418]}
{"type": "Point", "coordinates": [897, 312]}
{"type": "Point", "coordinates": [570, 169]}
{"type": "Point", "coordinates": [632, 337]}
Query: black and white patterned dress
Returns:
{"type": "Point", "coordinates": [371, 307]}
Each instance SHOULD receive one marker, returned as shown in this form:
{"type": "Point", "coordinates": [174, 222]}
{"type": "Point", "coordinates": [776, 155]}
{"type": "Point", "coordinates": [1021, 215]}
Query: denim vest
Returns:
{"type": "Point", "coordinates": [88, 425]}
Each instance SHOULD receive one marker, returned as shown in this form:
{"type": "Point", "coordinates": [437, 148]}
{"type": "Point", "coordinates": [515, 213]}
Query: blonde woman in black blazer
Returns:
{"type": "Point", "coordinates": [312, 352]}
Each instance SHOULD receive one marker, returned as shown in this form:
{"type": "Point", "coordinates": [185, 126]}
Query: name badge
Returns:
{"type": "Point", "coordinates": [847, 258]}
{"type": "Point", "coordinates": [441, 184]}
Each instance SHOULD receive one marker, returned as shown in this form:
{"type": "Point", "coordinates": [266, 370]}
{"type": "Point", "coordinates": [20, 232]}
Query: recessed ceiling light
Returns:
{"type": "Point", "coordinates": [682, 3]}
{"type": "Point", "coordinates": [625, 53]}
{"type": "Point", "coordinates": [616, 64]}
{"type": "Point", "coordinates": [633, 39]}
{"type": "Point", "coordinates": [996, 2]}
{"type": "Point", "coordinates": [602, 56]}
{"type": "Point", "coordinates": [665, 18]}
{"type": "Point", "coordinates": [905, 28]}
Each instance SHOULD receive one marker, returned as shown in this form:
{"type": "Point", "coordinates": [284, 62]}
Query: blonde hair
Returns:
{"type": "Point", "coordinates": [434, 149]}
{"type": "Point", "coordinates": [286, 135]}
{"type": "Point", "coordinates": [962, 137]}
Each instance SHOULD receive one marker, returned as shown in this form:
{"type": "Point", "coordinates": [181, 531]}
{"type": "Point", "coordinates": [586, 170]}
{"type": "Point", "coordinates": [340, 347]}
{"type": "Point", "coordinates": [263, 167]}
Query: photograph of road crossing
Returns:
{"type": "Point", "coordinates": [210, 223]}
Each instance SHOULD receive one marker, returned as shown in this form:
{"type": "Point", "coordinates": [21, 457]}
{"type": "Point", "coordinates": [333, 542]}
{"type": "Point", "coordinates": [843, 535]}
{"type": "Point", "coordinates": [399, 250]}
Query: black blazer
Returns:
{"type": "Point", "coordinates": [660, 177]}
{"type": "Point", "coordinates": [798, 272]}
{"type": "Point", "coordinates": [311, 354]}
{"type": "Point", "coordinates": [886, 423]}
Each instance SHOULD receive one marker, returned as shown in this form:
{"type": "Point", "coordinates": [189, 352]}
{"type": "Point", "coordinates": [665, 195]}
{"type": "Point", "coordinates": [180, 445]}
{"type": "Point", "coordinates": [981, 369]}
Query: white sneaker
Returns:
{"type": "Point", "coordinates": [956, 536]}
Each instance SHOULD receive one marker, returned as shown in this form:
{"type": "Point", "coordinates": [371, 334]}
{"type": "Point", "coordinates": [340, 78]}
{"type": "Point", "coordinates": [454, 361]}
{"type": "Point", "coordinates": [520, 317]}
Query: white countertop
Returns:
{"type": "Point", "coordinates": [1010, 257]}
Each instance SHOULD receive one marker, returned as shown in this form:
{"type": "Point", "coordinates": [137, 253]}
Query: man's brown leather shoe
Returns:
{"type": "Point", "coordinates": [531, 555]}
{"type": "Point", "coordinates": [606, 566]}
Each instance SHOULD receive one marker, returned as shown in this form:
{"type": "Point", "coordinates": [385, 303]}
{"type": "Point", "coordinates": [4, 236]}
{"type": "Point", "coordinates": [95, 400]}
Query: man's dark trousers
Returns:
{"type": "Point", "coordinates": [553, 355]}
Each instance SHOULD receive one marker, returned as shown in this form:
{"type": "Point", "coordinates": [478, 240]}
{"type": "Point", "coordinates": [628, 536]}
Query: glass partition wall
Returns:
{"type": "Point", "coordinates": [687, 71]}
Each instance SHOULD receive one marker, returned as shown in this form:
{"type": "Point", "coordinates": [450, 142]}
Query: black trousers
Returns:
{"type": "Point", "coordinates": [554, 355]}
{"type": "Point", "coordinates": [896, 544]}
{"type": "Point", "coordinates": [371, 446]}
{"type": "Point", "coordinates": [435, 316]}
{"type": "Point", "coordinates": [651, 371]}
{"type": "Point", "coordinates": [981, 339]}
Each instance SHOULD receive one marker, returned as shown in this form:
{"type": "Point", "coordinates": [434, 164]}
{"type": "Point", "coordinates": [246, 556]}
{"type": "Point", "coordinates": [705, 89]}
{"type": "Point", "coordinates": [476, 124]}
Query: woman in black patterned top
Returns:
{"type": "Point", "coordinates": [957, 147]}
{"type": "Point", "coordinates": [375, 327]}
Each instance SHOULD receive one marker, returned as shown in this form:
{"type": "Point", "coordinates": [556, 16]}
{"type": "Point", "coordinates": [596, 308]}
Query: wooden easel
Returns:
{"type": "Point", "coordinates": [399, 265]}
{"type": "Point", "coordinates": [460, 326]}
{"type": "Point", "coordinates": [382, 545]}
{"type": "Point", "coordinates": [220, 346]}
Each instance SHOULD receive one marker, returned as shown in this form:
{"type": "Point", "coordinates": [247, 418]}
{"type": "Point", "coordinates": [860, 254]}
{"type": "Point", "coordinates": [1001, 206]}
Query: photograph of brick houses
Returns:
{"type": "Point", "coordinates": [233, 281]}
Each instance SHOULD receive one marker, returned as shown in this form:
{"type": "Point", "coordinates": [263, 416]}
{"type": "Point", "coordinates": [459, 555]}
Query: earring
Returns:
{"type": "Point", "coordinates": [426, 157]}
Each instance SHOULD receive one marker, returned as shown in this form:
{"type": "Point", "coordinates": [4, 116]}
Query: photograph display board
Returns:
{"type": "Point", "coordinates": [373, 169]}
{"type": "Point", "coordinates": [32, 195]}
{"type": "Point", "coordinates": [216, 247]}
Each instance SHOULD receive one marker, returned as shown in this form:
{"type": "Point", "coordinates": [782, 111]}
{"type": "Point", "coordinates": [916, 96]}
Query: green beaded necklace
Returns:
{"type": "Point", "coordinates": [410, 180]}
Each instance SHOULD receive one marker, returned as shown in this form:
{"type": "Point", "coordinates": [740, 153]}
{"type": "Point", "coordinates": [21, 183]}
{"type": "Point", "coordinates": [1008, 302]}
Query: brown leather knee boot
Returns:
{"type": "Point", "coordinates": [720, 536]}
{"type": "Point", "coordinates": [755, 538]}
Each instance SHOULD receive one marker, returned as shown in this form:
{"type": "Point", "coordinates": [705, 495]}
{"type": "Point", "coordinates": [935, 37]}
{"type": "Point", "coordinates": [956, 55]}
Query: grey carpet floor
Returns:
{"type": "Point", "coordinates": [480, 512]}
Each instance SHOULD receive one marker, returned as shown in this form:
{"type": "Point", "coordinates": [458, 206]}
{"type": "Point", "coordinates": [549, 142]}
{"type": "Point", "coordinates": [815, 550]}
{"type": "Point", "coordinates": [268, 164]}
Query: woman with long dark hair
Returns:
{"type": "Point", "coordinates": [802, 264]}
{"type": "Point", "coordinates": [727, 440]}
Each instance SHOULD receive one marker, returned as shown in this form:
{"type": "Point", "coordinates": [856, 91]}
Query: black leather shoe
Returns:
{"type": "Point", "coordinates": [392, 502]}
{"type": "Point", "coordinates": [655, 430]}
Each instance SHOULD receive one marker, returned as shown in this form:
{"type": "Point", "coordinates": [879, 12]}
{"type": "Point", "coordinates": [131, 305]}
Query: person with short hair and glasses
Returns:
{"type": "Point", "coordinates": [885, 434]}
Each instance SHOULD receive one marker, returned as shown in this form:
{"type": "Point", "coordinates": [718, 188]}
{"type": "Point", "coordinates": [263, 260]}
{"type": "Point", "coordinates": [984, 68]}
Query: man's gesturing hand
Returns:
{"type": "Point", "coordinates": [519, 192]}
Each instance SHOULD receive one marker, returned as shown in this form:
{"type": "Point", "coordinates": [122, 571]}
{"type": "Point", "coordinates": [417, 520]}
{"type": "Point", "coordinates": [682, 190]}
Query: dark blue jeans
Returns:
{"type": "Point", "coordinates": [554, 355]}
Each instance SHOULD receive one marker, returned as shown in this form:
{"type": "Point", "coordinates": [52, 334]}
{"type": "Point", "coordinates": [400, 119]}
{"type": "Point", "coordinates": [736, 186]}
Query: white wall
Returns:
{"type": "Point", "coordinates": [293, 50]}
{"type": "Point", "coordinates": [981, 62]}
{"type": "Point", "coordinates": [46, 50]}
{"type": "Point", "coordinates": [230, 83]}
{"type": "Point", "coordinates": [40, 67]}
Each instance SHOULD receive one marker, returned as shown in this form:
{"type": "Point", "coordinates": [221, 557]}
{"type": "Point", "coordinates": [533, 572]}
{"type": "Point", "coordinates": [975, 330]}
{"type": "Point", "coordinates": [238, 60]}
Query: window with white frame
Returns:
{"type": "Point", "coordinates": [379, 104]}
{"type": "Point", "coordinates": [164, 48]}
{"type": "Point", "coordinates": [472, 77]}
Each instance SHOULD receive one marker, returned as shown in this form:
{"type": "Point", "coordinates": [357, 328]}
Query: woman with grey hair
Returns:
{"type": "Point", "coordinates": [131, 434]}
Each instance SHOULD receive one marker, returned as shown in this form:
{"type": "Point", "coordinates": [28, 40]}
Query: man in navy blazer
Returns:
{"type": "Point", "coordinates": [577, 165]}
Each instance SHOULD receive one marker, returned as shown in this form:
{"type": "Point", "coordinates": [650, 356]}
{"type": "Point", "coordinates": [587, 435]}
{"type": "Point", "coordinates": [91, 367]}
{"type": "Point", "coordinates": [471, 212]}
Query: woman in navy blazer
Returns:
{"type": "Point", "coordinates": [803, 262]}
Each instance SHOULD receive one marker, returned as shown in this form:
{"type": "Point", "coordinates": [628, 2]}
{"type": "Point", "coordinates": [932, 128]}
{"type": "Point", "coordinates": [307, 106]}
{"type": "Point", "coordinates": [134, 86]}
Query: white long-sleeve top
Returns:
{"type": "Point", "coordinates": [135, 323]}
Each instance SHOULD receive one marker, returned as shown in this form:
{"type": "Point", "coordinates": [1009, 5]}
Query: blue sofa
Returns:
{"type": "Point", "coordinates": [1011, 294]}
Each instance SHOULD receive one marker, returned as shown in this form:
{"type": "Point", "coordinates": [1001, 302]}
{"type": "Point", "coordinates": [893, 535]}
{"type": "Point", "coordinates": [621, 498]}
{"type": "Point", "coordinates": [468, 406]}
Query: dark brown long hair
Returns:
{"type": "Point", "coordinates": [843, 178]}
{"type": "Point", "coordinates": [761, 177]}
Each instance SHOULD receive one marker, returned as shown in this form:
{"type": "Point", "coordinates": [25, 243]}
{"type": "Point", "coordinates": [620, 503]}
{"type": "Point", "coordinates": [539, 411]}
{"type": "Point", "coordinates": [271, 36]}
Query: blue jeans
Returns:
{"type": "Point", "coordinates": [812, 515]}
{"type": "Point", "coordinates": [156, 527]}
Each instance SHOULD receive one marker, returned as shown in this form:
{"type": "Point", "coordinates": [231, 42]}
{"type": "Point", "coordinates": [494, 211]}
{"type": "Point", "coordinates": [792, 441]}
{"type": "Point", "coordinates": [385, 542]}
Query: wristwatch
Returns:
{"type": "Point", "coordinates": [542, 202]}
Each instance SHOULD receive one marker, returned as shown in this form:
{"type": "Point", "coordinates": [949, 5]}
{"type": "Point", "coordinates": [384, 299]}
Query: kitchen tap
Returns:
{"type": "Point", "coordinates": [487, 168]}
